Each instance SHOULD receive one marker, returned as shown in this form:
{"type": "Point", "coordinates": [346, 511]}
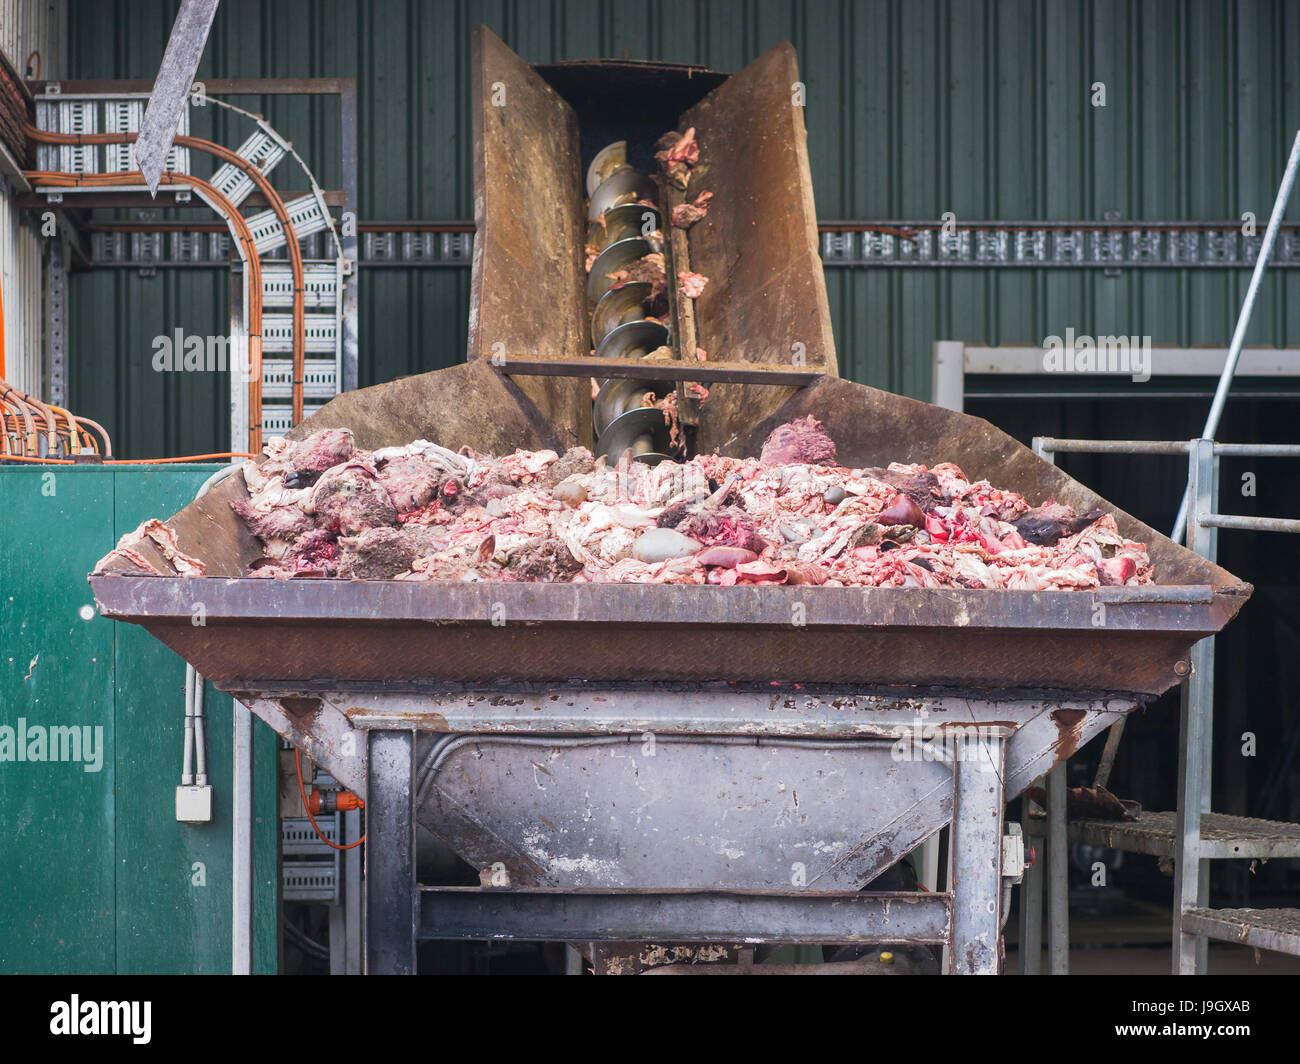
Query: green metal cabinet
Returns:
{"type": "Point", "coordinates": [96, 874]}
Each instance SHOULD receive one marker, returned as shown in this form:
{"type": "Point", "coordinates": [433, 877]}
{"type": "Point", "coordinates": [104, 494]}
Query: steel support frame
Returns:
{"type": "Point", "coordinates": [399, 912]}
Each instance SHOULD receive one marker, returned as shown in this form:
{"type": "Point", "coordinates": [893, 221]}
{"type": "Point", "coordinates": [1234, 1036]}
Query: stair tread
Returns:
{"type": "Point", "coordinates": [1274, 929]}
{"type": "Point", "coordinates": [1222, 835]}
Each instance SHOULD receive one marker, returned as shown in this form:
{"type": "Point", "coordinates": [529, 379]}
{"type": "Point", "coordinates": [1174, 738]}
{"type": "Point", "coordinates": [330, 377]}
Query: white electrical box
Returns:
{"type": "Point", "coordinates": [194, 804]}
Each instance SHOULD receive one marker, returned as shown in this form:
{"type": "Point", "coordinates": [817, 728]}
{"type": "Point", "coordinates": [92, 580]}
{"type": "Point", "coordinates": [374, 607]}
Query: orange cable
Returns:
{"type": "Point", "coordinates": [126, 461]}
{"type": "Point", "coordinates": [297, 761]}
{"type": "Point", "coordinates": [39, 461]}
{"type": "Point", "coordinates": [260, 179]}
{"type": "Point", "coordinates": [108, 444]}
{"type": "Point", "coordinates": [182, 458]}
{"type": "Point", "coordinates": [74, 444]}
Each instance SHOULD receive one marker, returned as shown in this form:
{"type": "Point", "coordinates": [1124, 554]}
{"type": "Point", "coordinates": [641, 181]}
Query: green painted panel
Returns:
{"type": "Point", "coordinates": [166, 922]}
{"type": "Point", "coordinates": [57, 871]}
{"type": "Point", "coordinates": [98, 875]}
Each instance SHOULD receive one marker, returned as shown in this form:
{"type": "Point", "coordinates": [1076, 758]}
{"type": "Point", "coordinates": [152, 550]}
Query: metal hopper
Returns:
{"type": "Point", "coordinates": [672, 763]}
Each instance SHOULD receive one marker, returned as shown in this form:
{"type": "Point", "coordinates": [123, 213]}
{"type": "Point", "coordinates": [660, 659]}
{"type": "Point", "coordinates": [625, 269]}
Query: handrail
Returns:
{"type": "Point", "coordinates": [1243, 319]}
{"type": "Point", "coordinates": [1047, 446]}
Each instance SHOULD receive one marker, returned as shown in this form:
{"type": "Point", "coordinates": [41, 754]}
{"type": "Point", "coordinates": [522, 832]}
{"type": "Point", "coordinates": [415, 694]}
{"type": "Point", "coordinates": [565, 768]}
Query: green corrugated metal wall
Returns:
{"type": "Point", "coordinates": [915, 107]}
{"type": "Point", "coordinates": [96, 875]}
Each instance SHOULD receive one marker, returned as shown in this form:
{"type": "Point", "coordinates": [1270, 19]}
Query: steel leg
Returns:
{"type": "Point", "coordinates": [1196, 733]}
{"type": "Point", "coordinates": [352, 895]}
{"type": "Point", "coordinates": [241, 815]}
{"type": "Point", "coordinates": [1058, 872]}
{"type": "Point", "coordinates": [338, 940]}
{"type": "Point", "coordinates": [391, 895]}
{"type": "Point", "coordinates": [1031, 909]}
{"type": "Point", "coordinates": [345, 914]}
{"type": "Point", "coordinates": [1191, 874]}
{"type": "Point", "coordinates": [977, 856]}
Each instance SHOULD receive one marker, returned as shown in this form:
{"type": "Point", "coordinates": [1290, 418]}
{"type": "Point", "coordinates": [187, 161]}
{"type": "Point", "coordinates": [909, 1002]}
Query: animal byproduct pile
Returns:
{"type": "Point", "coordinates": [791, 516]}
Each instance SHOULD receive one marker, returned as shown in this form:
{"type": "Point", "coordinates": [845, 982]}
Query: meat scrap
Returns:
{"type": "Point", "coordinates": [686, 215]}
{"type": "Point", "coordinates": [677, 153]}
{"type": "Point", "coordinates": [801, 441]}
{"type": "Point", "coordinates": [1052, 521]}
{"type": "Point", "coordinates": [647, 268]}
{"type": "Point", "coordinates": [692, 284]}
{"type": "Point", "coordinates": [677, 147]}
{"type": "Point", "coordinates": [792, 516]}
{"type": "Point", "coordinates": [163, 536]}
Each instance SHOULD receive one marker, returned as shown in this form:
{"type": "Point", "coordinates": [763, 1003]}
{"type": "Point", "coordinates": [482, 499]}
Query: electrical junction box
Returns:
{"type": "Point", "coordinates": [194, 804]}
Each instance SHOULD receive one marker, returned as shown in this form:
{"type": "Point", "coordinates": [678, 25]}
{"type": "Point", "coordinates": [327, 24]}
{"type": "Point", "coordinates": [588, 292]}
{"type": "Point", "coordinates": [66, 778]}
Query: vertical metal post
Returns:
{"type": "Point", "coordinates": [1057, 841]}
{"type": "Point", "coordinates": [56, 324]}
{"type": "Point", "coordinates": [976, 886]}
{"type": "Point", "coordinates": [1196, 736]}
{"type": "Point", "coordinates": [928, 859]}
{"type": "Point", "coordinates": [1031, 909]}
{"type": "Point", "coordinates": [239, 359]}
{"type": "Point", "coordinates": [949, 374]}
{"type": "Point", "coordinates": [352, 930]}
{"type": "Point", "coordinates": [345, 913]}
{"type": "Point", "coordinates": [391, 897]}
{"type": "Point", "coordinates": [348, 141]}
{"type": "Point", "coordinates": [1058, 870]}
{"type": "Point", "coordinates": [338, 938]}
{"type": "Point", "coordinates": [241, 813]}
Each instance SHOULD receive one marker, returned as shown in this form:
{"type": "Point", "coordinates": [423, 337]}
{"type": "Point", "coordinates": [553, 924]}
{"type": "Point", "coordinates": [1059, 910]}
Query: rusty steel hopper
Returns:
{"type": "Point", "coordinates": [514, 718]}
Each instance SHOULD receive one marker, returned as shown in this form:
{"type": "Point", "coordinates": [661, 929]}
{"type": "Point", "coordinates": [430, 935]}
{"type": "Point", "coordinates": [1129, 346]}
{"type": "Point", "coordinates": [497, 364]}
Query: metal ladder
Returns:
{"type": "Point", "coordinates": [1193, 835]}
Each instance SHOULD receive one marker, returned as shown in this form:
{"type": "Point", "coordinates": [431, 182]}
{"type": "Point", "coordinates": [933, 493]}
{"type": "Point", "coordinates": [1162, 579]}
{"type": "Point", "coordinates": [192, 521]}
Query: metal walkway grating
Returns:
{"type": "Point", "coordinates": [1222, 836]}
{"type": "Point", "coordinates": [1275, 929]}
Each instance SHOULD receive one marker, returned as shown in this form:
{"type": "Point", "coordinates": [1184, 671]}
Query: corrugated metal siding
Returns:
{"type": "Point", "coordinates": [20, 281]}
{"type": "Point", "coordinates": [915, 107]}
{"type": "Point", "coordinates": [26, 26]}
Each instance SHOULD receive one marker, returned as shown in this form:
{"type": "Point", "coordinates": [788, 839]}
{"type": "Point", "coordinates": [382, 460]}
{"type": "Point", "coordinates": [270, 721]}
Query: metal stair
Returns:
{"type": "Point", "coordinates": [1193, 835]}
{"type": "Point", "coordinates": [1223, 837]}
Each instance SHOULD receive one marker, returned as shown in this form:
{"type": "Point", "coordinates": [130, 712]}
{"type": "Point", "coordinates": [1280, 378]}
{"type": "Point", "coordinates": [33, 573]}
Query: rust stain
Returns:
{"type": "Point", "coordinates": [1067, 723]}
